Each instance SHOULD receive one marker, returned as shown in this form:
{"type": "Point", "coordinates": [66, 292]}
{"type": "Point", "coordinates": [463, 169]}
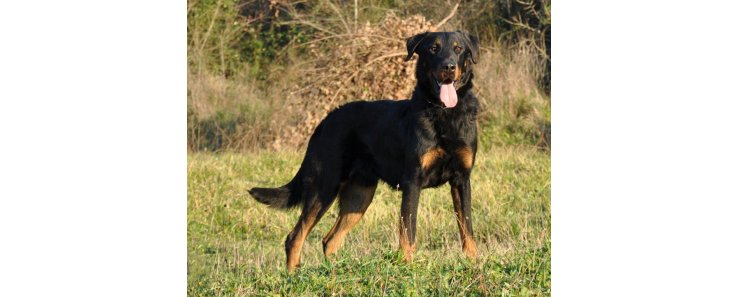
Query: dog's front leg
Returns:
{"type": "Point", "coordinates": [407, 228]}
{"type": "Point", "coordinates": [460, 190]}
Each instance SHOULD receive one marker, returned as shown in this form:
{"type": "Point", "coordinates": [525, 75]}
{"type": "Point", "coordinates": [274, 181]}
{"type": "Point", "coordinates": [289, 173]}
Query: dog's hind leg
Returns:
{"type": "Point", "coordinates": [312, 212]}
{"type": "Point", "coordinates": [354, 199]}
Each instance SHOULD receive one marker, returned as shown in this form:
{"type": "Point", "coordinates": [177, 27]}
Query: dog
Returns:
{"type": "Point", "coordinates": [423, 142]}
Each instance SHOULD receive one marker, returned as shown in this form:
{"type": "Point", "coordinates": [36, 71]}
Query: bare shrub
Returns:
{"type": "Point", "coordinates": [366, 65]}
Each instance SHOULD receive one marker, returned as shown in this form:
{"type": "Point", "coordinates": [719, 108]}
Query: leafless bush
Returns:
{"type": "Point", "coordinates": [364, 65]}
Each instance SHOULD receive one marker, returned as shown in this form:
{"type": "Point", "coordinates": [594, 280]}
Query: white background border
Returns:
{"type": "Point", "coordinates": [645, 157]}
{"type": "Point", "coordinates": [92, 158]}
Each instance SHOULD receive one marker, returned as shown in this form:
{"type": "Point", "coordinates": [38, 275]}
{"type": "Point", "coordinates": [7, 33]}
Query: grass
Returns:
{"type": "Point", "coordinates": [235, 245]}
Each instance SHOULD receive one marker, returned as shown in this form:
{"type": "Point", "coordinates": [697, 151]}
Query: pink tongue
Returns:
{"type": "Point", "coordinates": [448, 95]}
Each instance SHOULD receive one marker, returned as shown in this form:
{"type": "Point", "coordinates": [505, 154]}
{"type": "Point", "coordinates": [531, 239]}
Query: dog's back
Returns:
{"type": "Point", "coordinates": [356, 130]}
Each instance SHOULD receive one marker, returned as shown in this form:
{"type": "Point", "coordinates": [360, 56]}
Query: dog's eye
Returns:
{"type": "Point", "coordinates": [434, 49]}
{"type": "Point", "coordinates": [458, 49]}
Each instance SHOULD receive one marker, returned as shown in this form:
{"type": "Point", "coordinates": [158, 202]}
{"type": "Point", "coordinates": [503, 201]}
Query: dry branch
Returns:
{"type": "Point", "coordinates": [447, 18]}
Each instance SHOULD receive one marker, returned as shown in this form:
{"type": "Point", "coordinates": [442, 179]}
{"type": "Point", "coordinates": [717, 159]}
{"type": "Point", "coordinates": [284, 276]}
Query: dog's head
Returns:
{"type": "Point", "coordinates": [445, 64]}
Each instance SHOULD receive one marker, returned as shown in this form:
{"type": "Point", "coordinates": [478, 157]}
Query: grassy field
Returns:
{"type": "Point", "coordinates": [235, 245]}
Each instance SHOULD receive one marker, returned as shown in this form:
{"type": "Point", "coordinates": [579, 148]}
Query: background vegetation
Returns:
{"type": "Point", "coordinates": [262, 73]}
{"type": "Point", "coordinates": [253, 65]}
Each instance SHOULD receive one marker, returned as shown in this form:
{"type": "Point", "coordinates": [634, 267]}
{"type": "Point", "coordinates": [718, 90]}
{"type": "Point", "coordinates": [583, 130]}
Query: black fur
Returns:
{"type": "Point", "coordinates": [363, 142]}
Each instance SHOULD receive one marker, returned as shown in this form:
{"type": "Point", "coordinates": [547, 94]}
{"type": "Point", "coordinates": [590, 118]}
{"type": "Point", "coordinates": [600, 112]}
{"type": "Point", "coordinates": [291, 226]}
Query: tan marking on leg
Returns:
{"type": "Point", "coordinates": [407, 248]}
{"type": "Point", "coordinates": [468, 243]}
{"type": "Point", "coordinates": [335, 238]}
{"type": "Point", "coordinates": [431, 156]}
{"type": "Point", "coordinates": [299, 234]}
{"type": "Point", "coordinates": [329, 236]}
{"type": "Point", "coordinates": [466, 156]}
{"type": "Point", "coordinates": [469, 248]}
{"type": "Point", "coordinates": [354, 201]}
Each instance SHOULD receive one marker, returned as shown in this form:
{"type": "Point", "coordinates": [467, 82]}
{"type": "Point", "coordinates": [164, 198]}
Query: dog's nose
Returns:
{"type": "Point", "coordinates": [450, 67]}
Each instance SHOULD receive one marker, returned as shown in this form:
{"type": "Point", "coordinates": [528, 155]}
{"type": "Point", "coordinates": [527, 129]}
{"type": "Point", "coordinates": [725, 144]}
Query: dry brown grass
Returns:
{"type": "Point", "coordinates": [505, 74]}
{"type": "Point", "coordinates": [236, 114]}
{"type": "Point", "coordinates": [513, 107]}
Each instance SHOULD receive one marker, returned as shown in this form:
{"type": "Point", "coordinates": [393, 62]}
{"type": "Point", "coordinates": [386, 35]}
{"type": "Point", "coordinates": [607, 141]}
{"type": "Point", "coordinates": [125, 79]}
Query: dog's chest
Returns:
{"type": "Point", "coordinates": [440, 163]}
{"type": "Point", "coordinates": [448, 149]}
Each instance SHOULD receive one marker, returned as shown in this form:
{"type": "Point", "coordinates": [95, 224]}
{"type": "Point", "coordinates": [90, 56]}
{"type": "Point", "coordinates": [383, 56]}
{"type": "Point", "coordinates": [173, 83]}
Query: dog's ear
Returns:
{"type": "Point", "coordinates": [471, 43]}
{"type": "Point", "coordinates": [412, 43]}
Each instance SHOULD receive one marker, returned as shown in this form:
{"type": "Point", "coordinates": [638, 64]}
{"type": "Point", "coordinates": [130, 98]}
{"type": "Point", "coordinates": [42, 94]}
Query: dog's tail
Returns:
{"type": "Point", "coordinates": [286, 196]}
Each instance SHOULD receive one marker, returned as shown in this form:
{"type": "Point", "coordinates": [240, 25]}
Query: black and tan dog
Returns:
{"type": "Point", "coordinates": [410, 144]}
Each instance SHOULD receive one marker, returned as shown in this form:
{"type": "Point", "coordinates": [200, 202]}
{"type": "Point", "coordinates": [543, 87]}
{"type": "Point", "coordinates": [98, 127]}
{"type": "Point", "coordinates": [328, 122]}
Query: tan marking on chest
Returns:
{"type": "Point", "coordinates": [431, 156]}
{"type": "Point", "coordinates": [466, 156]}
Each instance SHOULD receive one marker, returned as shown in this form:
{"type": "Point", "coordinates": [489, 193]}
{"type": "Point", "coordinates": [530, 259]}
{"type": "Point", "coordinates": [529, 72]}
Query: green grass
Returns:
{"type": "Point", "coordinates": [235, 245]}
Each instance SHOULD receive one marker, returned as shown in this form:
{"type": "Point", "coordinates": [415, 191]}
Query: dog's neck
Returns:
{"type": "Point", "coordinates": [446, 122]}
